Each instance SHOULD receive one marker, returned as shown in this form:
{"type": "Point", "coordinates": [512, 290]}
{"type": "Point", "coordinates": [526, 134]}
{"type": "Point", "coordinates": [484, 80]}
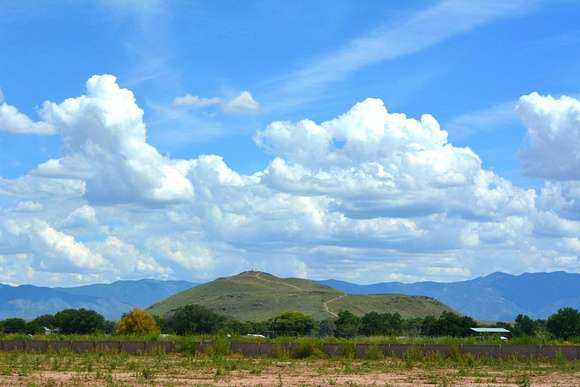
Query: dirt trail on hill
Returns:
{"type": "Point", "coordinates": [325, 304]}
{"type": "Point", "coordinates": [278, 283]}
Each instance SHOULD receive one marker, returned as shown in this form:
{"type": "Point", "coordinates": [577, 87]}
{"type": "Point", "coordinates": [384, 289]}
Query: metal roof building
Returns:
{"type": "Point", "coordinates": [489, 330]}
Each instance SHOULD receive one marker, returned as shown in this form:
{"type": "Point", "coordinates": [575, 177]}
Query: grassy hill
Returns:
{"type": "Point", "coordinates": [258, 296]}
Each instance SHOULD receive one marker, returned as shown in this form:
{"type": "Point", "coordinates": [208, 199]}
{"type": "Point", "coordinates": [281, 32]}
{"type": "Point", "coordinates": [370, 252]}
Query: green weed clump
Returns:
{"type": "Point", "coordinates": [412, 356]}
{"type": "Point", "coordinates": [347, 350]}
{"type": "Point", "coordinates": [220, 346]}
{"type": "Point", "coordinates": [188, 346]}
{"type": "Point", "coordinates": [456, 353]}
{"type": "Point", "coordinates": [375, 353]}
{"type": "Point", "coordinates": [280, 352]}
{"type": "Point", "coordinates": [308, 347]}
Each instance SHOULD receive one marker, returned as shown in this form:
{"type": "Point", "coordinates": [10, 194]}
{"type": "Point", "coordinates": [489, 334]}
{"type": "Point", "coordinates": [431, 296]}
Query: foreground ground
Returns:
{"type": "Point", "coordinates": [67, 369]}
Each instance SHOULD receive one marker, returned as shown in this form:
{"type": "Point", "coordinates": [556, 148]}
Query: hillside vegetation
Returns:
{"type": "Point", "coordinates": [257, 296]}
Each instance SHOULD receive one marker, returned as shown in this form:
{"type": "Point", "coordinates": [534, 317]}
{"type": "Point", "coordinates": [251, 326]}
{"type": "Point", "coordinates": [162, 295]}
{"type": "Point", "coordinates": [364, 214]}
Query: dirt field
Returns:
{"type": "Point", "coordinates": [18, 369]}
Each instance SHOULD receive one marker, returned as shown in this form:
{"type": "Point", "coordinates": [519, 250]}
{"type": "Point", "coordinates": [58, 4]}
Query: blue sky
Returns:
{"type": "Point", "coordinates": [465, 63]}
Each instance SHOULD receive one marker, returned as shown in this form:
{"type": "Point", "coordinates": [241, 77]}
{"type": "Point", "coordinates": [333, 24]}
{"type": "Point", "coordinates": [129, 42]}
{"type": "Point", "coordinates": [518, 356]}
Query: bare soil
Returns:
{"type": "Point", "coordinates": [179, 370]}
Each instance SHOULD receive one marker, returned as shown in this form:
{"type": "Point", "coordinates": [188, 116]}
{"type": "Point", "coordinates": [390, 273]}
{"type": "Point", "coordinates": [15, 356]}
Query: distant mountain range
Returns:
{"type": "Point", "coordinates": [498, 296]}
{"type": "Point", "coordinates": [111, 300]}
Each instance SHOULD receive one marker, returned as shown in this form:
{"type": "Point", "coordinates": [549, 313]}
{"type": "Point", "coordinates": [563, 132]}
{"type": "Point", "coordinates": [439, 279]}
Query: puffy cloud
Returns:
{"type": "Point", "coordinates": [62, 252]}
{"type": "Point", "coordinates": [552, 148]}
{"type": "Point", "coordinates": [188, 257]}
{"type": "Point", "coordinates": [369, 195]}
{"type": "Point", "coordinates": [241, 103]}
{"type": "Point", "coordinates": [376, 163]}
{"type": "Point", "coordinates": [83, 216]}
{"type": "Point", "coordinates": [105, 147]}
{"type": "Point", "coordinates": [52, 250]}
{"type": "Point", "coordinates": [13, 121]}
{"type": "Point", "coordinates": [129, 260]}
{"type": "Point", "coordinates": [562, 198]}
{"type": "Point", "coordinates": [38, 187]}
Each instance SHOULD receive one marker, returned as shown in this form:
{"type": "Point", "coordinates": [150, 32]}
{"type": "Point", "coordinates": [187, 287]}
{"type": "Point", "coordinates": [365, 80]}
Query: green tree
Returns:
{"type": "Point", "coordinates": [565, 323]}
{"type": "Point", "coordinates": [79, 321]}
{"type": "Point", "coordinates": [347, 324]}
{"type": "Point", "coordinates": [109, 327]}
{"type": "Point", "coordinates": [448, 324]}
{"type": "Point", "coordinates": [292, 324]}
{"type": "Point", "coordinates": [326, 328]}
{"type": "Point", "coordinates": [372, 324]}
{"type": "Point", "coordinates": [191, 319]}
{"type": "Point", "coordinates": [524, 326]}
{"type": "Point", "coordinates": [393, 324]}
{"type": "Point", "coordinates": [429, 326]}
{"type": "Point", "coordinates": [46, 320]}
{"type": "Point", "coordinates": [13, 325]}
{"type": "Point", "coordinates": [37, 325]}
{"type": "Point", "coordinates": [411, 326]}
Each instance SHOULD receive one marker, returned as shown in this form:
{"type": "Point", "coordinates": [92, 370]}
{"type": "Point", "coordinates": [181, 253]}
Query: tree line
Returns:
{"type": "Point", "coordinates": [197, 319]}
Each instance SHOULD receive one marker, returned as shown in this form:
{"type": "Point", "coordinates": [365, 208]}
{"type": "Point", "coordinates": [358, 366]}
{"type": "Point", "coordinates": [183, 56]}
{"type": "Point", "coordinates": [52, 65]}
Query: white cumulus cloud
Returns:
{"type": "Point", "coordinates": [105, 147]}
{"type": "Point", "coordinates": [552, 148]}
{"type": "Point", "coordinates": [13, 121]}
{"type": "Point", "coordinates": [369, 195]}
{"type": "Point", "coordinates": [82, 216]}
{"type": "Point", "coordinates": [375, 163]}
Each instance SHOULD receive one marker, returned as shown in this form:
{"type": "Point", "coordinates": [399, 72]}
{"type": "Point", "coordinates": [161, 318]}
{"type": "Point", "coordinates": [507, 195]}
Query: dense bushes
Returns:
{"type": "Point", "coordinates": [524, 326]}
{"type": "Point", "coordinates": [565, 323]}
{"type": "Point", "coordinates": [347, 324]}
{"type": "Point", "coordinates": [376, 324]}
{"type": "Point", "coordinates": [196, 319]}
{"type": "Point", "coordinates": [193, 319]}
{"type": "Point", "coordinates": [68, 321]}
{"type": "Point", "coordinates": [292, 324]}
{"type": "Point", "coordinates": [79, 321]}
{"type": "Point", "coordinates": [448, 324]}
{"type": "Point", "coordinates": [14, 325]}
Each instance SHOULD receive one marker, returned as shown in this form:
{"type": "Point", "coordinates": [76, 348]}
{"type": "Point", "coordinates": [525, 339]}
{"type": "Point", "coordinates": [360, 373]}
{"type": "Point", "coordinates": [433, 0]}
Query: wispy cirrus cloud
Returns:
{"type": "Point", "coordinates": [242, 102]}
{"type": "Point", "coordinates": [487, 119]}
{"type": "Point", "coordinates": [405, 36]}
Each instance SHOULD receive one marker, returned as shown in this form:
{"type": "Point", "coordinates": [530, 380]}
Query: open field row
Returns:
{"type": "Point", "coordinates": [122, 369]}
